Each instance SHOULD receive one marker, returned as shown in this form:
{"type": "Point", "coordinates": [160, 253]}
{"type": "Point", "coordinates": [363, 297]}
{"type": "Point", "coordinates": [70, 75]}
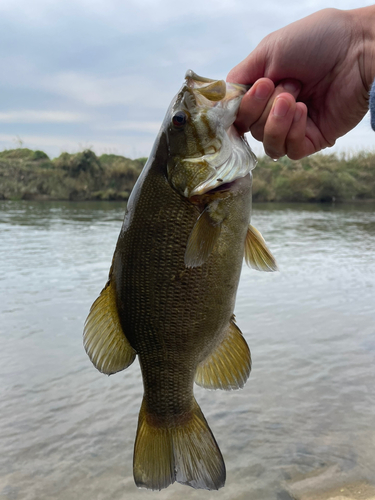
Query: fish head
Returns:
{"type": "Point", "coordinates": [205, 150]}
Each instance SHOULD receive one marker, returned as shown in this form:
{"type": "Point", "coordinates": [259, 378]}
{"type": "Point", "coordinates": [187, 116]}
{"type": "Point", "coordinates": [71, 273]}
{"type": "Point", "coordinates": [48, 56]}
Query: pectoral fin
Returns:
{"type": "Point", "coordinates": [103, 338]}
{"type": "Point", "coordinates": [202, 239]}
{"type": "Point", "coordinates": [228, 367]}
{"type": "Point", "coordinates": [257, 255]}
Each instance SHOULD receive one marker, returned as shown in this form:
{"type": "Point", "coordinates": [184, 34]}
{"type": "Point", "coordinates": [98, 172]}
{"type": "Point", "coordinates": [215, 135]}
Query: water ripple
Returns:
{"type": "Point", "coordinates": [67, 431]}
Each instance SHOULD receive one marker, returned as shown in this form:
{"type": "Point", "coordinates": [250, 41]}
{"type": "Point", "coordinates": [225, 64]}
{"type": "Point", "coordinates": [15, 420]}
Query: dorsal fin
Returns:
{"type": "Point", "coordinates": [257, 254]}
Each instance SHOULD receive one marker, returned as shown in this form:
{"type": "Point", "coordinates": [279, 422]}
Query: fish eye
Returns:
{"type": "Point", "coordinates": [179, 119]}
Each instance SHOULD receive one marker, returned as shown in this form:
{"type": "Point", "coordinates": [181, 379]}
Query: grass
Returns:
{"type": "Point", "coordinates": [27, 174]}
{"type": "Point", "coordinates": [317, 178]}
{"type": "Point", "coordinates": [31, 175]}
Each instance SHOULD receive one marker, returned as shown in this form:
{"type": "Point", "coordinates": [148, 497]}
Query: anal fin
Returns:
{"type": "Point", "coordinates": [103, 337]}
{"type": "Point", "coordinates": [228, 367]}
{"type": "Point", "coordinates": [257, 254]}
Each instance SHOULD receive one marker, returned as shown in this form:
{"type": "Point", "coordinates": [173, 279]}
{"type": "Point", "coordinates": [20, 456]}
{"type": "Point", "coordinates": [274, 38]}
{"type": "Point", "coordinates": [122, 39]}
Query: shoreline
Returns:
{"type": "Point", "coordinates": [42, 198]}
{"type": "Point", "coordinates": [33, 176]}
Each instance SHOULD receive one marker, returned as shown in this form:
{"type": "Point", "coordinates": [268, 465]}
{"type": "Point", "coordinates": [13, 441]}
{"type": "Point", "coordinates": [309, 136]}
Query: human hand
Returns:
{"type": "Point", "coordinates": [327, 61]}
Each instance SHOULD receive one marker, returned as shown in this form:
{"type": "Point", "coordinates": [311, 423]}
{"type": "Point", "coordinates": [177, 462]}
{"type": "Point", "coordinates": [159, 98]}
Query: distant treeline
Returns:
{"type": "Point", "coordinates": [32, 175]}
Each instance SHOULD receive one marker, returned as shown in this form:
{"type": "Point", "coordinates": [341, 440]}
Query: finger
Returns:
{"type": "Point", "coordinates": [278, 125]}
{"type": "Point", "coordinates": [293, 87]}
{"type": "Point", "coordinates": [298, 145]}
{"type": "Point", "coordinates": [253, 104]}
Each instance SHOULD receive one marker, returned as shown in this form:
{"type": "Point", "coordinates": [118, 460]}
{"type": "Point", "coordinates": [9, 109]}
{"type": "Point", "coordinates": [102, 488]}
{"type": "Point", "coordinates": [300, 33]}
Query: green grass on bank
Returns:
{"type": "Point", "coordinates": [317, 178]}
{"type": "Point", "coordinates": [32, 175]}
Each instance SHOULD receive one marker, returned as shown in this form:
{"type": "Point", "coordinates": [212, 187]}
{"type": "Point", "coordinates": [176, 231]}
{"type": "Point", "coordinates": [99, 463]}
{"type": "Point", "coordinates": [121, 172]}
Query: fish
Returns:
{"type": "Point", "coordinates": [172, 285]}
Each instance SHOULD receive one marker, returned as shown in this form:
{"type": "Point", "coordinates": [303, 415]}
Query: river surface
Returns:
{"type": "Point", "coordinates": [67, 431]}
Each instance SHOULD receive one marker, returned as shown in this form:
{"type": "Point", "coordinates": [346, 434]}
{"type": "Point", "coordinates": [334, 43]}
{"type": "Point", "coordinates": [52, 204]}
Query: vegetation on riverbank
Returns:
{"type": "Point", "coordinates": [319, 178]}
{"type": "Point", "coordinates": [31, 175]}
{"type": "Point", "coordinates": [27, 174]}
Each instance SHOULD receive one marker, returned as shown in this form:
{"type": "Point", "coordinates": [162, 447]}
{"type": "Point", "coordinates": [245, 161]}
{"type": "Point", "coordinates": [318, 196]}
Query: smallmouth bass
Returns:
{"type": "Point", "coordinates": [172, 285]}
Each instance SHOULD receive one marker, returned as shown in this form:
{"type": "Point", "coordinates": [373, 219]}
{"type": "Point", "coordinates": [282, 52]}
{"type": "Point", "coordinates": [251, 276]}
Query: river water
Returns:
{"type": "Point", "coordinates": [67, 431]}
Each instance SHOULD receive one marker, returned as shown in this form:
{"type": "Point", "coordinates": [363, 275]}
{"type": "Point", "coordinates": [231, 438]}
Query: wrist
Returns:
{"type": "Point", "coordinates": [364, 18]}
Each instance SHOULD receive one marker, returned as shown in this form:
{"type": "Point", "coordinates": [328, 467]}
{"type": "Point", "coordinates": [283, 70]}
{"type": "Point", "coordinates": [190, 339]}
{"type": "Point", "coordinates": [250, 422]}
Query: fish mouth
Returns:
{"type": "Point", "coordinates": [214, 91]}
{"type": "Point", "coordinates": [229, 157]}
{"type": "Point", "coordinates": [215, 153]}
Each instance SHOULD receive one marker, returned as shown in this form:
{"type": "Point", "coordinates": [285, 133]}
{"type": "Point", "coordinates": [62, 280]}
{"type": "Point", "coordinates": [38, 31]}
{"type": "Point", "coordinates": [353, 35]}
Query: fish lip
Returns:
{"type": "Point", "coordinates": [210, 93]}
{"type": "Point", "coordinates": [190, 74]}
{"type": "Point", "coordinates": [206, 91]}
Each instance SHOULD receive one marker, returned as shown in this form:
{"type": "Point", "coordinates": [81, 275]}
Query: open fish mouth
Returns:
{"type": "Point", "coordinates": [214, 90]}
{"type": "Point", "coordinates": [205, 148]}
{"type": "Point", "coordinates": [231, 158]}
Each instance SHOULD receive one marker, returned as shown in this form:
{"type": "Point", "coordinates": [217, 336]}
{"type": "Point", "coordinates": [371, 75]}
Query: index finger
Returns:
{"type": "Point", "coordinates": [253, 104]}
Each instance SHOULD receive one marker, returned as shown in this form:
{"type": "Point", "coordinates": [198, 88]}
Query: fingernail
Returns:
{"type": "Point", "coordinates": [280, 107]}
{"type": "Point", "coordinates": [262, 91]}
{"type": "Point", "coordinates": [297, 115]}
{"type": "Point", "coordinates": [292, 87]}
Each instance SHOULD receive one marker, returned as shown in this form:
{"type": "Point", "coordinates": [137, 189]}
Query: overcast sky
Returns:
{"type": "Point", "coordinates": [101, 73]}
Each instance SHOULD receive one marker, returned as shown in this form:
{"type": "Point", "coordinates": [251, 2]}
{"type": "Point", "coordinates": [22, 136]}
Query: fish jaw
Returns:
{"type": "Point", "coordinates": [206, 150]}
{"type": "Point", "coordinates": [237, 164]}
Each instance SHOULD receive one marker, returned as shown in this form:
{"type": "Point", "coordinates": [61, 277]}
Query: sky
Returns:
{"type": "Point", "coordinates": [100, 74]}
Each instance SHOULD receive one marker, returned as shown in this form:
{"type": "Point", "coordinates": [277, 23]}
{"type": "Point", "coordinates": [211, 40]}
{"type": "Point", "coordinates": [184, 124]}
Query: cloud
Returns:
{"type": "Point", "coordinates": [94, 90]}
{"type": "Point", "coordinates": [36, 116]}
{"type": "Point", "coordinates": [133, 126]}
{"type": "Point", "coordinates": [104, 72]}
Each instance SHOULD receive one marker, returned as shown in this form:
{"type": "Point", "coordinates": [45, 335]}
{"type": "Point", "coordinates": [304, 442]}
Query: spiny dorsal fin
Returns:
{"type": "Point", "coordinates": [257, 254]}
{"type": "Point", "coordinates": [202, 240]}
{"type": "Point", "coordinates": [228, 367]}
{"type": "Point", "coordinates": [185, 452]}
{"type": "Point", "coordinates": [103, 338]}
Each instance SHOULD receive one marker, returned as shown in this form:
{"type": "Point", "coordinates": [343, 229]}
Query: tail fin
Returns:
{"type": "Point", "coordinates": [186, 453]}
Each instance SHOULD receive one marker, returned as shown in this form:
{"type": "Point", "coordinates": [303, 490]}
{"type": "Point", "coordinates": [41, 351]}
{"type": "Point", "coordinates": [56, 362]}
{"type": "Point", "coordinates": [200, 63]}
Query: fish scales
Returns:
{"type": "Point", "coordinates": [174, 330]}
{"type": "Point", "coordinates": [172, 286]}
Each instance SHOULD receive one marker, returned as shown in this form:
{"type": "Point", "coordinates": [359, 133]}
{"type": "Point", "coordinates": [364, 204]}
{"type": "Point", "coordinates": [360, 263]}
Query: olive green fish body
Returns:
{"type": "Point", "coordinates": [174, 316]}
{"type": "Point", "coordinates": [172, 286]}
